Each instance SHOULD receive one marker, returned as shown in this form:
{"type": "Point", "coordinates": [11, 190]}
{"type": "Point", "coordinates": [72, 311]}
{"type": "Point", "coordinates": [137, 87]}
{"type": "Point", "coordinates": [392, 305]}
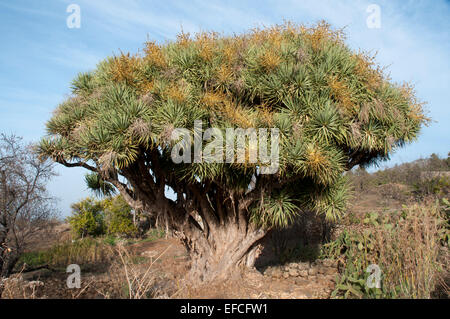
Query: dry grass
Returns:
{"type": "Point", "coordinates": [410, 250]}
{"type": "Point", "coordinates": [407, 247]}
{"type": "Point", "coordinates": [86, 252]}
{"type": "Point", "coordinates": [131, 280]}
{"type": "Point", "coordinates": [15, 287]}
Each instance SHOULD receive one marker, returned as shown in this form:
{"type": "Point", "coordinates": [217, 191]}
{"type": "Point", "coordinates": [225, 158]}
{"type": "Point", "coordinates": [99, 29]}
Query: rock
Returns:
{"type": "Point", "coordinates": [303, 273]}
{"type": "Point", "coordinates": [285, 275]}
{"type": "Point", "coordinates": [303, 266]}
{"type": "Point", "coordinates": [268, 272]}
{"type": "Point", "coordinates": [277, 273]}
{"type": "Point", "coordinates": [312, 271]}
{"type": "Point", "coordinates": [292, 265]}
{"type": "Point", "coordinates": [293, 272]}
{"type": "Point", "coordinates": [321, 269]}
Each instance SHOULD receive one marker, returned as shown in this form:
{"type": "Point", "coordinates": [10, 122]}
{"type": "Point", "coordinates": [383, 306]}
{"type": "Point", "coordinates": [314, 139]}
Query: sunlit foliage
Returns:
{"type": "Point", "coordinates": [335, 109]}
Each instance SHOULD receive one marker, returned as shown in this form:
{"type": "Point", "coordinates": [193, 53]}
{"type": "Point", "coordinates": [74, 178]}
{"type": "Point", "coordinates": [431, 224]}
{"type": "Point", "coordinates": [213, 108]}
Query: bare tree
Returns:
{"type": "Point", "coordinates": [25, 207]}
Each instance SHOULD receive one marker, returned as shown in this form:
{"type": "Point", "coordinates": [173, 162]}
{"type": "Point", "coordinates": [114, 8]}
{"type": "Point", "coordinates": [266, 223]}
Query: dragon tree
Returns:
{"type": "Point", "coordinates": [333, 109]}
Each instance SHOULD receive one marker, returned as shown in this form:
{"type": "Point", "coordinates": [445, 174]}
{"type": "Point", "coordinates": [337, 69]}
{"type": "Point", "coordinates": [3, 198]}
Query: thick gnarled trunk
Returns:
{"type": "Point", "coordinates": [209, 217]}
{"type": "Point", "coordinates": [226, 252]}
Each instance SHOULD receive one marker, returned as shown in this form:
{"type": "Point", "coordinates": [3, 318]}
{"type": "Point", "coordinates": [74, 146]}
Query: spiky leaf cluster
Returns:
{"type": "Point", "coordinates": [98, 186]}
{"type": "Point", "coordinates": [335, 108]}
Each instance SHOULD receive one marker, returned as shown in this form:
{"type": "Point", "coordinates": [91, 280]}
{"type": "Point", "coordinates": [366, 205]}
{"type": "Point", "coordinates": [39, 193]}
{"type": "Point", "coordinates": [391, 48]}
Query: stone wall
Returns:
{"type": "Point", "coordinates": [304, 271]}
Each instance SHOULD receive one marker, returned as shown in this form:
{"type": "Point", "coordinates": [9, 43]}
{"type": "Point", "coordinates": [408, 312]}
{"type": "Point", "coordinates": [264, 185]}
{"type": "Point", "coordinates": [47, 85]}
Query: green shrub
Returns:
{"type": "Point", "coordinates": [439, 186]}
{"type": "Point", "coordinates": [118, 217]}
{"type": "Point", "coordinates": [112, 216]}
{"type": "Point", "coordinates": [110, 240]}
{"type": "Point", "coordinates": [33, 259]}
{"type": "Point", "coordinates": [87, 218]}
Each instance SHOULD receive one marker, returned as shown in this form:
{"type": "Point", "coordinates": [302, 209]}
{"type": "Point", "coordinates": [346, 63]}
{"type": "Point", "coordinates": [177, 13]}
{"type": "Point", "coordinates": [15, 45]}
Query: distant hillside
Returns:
{"type": "Point", "coordinates": [423, 177]}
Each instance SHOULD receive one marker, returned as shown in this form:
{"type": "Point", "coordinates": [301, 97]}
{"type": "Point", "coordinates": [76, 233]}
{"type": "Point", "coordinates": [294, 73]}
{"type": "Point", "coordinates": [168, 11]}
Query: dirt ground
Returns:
{"type": "Point", "coordinates": [170, 267]}
{"type": "Point", "coordinates": [169, 262]}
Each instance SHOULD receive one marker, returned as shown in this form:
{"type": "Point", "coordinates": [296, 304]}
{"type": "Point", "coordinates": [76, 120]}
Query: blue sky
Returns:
{"type": "Point", "coordinates": [40, 55]}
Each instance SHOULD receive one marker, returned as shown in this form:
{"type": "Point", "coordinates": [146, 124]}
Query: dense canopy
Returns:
{"type": "Point", "coordinates": [335, 108]}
